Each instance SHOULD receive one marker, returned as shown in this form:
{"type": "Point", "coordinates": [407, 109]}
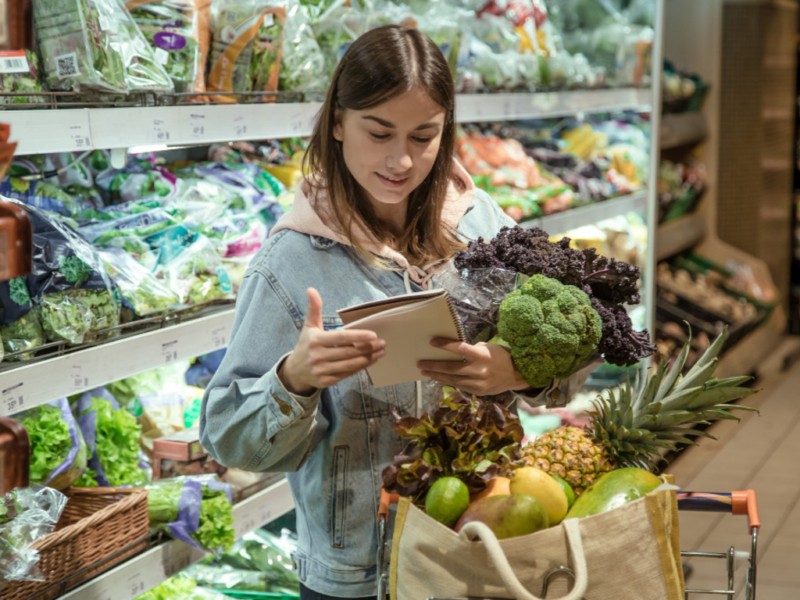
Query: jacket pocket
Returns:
{"type": "Point", "coordinates": [339, 497]}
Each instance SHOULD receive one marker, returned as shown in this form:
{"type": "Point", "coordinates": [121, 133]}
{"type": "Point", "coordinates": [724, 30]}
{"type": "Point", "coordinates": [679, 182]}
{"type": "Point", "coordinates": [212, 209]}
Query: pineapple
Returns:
{"type": "Point", "coordinates": [635, 427]}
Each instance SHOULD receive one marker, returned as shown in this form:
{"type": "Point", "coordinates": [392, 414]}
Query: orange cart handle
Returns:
{"type": "Point", "coordinates": [741, 502]}
{"type": "Point", "coordinates": [386, 502]}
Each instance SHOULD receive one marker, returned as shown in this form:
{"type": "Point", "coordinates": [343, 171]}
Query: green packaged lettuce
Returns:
{"type": "Point", "coordinates": [178, 33]}
{"type": "Point", "coordinates": [20, 74]}
{"type": "Point", "coordinates": [247, 47]}
{"type": "Point", "coordinates": [19, 324]}
{"type": "Point", "coordinates": [94, 45]}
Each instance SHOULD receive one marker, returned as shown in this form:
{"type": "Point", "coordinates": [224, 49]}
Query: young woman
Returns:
{"type": "Point", "coordinates": [384, 208]}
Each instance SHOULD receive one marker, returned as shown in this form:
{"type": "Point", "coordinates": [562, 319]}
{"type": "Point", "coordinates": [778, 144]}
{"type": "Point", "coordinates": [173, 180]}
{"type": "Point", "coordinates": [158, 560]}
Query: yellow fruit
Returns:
{"type": "Point", "coordinates": [567, 489]}
{"type": "Point", "coordinates": [446, 500]}
{"type": "Point", "coordinates": [535, 482]}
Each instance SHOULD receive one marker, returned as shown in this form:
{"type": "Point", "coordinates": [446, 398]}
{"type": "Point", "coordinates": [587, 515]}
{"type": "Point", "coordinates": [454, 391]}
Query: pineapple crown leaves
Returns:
{"type": "Point", "coordinates": [637, 427]}
{"type": "Point", "coordinates": [464, 437]}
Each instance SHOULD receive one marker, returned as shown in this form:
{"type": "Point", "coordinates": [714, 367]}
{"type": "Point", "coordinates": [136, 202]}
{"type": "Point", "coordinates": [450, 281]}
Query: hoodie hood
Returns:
{"type": "Point", "coordinates": [315, 217]}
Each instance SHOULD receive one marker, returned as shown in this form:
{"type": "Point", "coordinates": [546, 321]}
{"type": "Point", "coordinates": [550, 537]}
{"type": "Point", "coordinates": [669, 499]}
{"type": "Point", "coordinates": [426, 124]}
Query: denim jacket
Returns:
{"type": "Point", "coordinates": [335, 444]}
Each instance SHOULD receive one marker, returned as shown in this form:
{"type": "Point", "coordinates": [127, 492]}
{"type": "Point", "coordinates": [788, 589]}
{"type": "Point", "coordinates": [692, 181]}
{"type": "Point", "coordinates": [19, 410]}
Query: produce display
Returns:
{"type": "Point", "coordinates": [680, 187]}
{"type": "Point", "coordinates": [538, 168]}
{"type": "Point", "coordinates": [698, 295]}
{"type": "Point", "coordinates": [466, 460]}
{"type": "Point", "coordinates": [109, 49]}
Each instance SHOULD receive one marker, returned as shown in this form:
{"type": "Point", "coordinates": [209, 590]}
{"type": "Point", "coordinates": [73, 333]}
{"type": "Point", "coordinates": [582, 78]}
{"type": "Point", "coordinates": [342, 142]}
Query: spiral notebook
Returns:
{"type": "Point", "coordinates": [407, 323]}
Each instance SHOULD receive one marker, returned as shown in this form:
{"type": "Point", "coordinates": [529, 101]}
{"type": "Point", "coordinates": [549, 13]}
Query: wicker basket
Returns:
{"type": "Point", "coordinates": [99, 528]}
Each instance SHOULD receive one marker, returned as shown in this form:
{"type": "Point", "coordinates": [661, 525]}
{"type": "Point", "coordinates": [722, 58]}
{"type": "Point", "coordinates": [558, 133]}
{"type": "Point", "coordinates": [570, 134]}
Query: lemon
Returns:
{"type": "Point", "coordinates": [539, 484]}
{"type": "Point", "coordinates": [446, 500]}
{"type": "Point", "coordinates": [567, 489]}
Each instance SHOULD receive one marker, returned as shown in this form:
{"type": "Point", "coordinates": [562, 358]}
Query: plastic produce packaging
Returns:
{"type": "Point", "coordinates": [197, 274]}
{"type": "Point", "coordinates": [178, 32]}
{"type": "Point", "coordinates": [20, 74]}
{"type": "Point", "coordinates": [112, 439]}
{"type": "Point", "coordinates": [58, 451]}
{"type": "Point", "coordinates": [20, 328]}
{"type": "Point", "coordinates": [26, 514]}
{"type": "Point", "coordinates": [197, 510]}
{"type": "Point", "coordinates": [95, 45]}
{"type": "Point", "coordinates": [143, 294]}
{"type": "Point", "coordinates": [181, 587]}
{"type": "Point", "coordinates": [303, 65]}
{"type": "Point", "coordinates": [247, 47]}
{"type": "Point", "coordinates": [70, 288]}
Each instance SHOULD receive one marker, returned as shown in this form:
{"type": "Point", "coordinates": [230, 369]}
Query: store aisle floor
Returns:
{"type": "Point", "coordinates": [761, 452]}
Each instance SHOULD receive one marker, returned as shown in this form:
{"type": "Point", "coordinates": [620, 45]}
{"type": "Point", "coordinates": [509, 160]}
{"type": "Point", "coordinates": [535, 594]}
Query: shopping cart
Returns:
{"type": "Point", "coordinates": [736, 503]}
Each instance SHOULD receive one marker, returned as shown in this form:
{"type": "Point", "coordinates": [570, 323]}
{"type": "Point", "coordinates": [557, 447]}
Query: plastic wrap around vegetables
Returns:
{"type": "Point", "coordinates": [95, 45]}
{"type": "Point", "coordinates": [196, 510]}
{"type": "Point", "coordinates": [610, 286]}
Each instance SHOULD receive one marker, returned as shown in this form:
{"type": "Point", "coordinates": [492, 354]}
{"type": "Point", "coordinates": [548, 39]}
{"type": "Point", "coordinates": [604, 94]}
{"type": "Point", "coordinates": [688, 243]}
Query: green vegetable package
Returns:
{"type": "Point", "coordinates": [196, 510]}
{"type": "Point", "coordinates": [95, 45]}
{"type": "Point", "coordinates": [58, 451]}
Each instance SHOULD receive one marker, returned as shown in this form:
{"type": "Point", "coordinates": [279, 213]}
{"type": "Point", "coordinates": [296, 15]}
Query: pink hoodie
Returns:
{"type": "Point", "coordinates": [315, 218]}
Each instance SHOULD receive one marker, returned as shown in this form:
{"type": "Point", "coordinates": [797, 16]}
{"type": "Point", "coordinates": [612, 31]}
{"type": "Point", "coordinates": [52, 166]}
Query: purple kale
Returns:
{"type": "Point", "coordinates": [619, 343]}
{"type": "Point", "coordinates": [610, 283]}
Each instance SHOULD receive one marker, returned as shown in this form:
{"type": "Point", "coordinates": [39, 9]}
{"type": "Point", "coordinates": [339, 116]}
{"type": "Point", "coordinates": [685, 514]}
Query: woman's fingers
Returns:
{"type": "Point", "coordinates": [325, 354]}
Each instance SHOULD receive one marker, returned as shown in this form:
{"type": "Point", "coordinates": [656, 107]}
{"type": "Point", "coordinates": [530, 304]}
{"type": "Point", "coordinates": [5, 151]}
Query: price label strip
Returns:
{"type": "Point", "coordinates": [80, 381]}
{"type": "Point", "coordinates": [198, 125]}
{"type": "Point", "coordinates": [80, 137]}
{"type": "Point", "coordinates": [239, 126]}
{"type": "Point", "coordinates": [13, 399]}
{"type": "Point", "coordinates": [169, 350]}
{"type": "Point", "coordinates": [219, 337]}
{"type": "Point", "coordinates": [160, 131]}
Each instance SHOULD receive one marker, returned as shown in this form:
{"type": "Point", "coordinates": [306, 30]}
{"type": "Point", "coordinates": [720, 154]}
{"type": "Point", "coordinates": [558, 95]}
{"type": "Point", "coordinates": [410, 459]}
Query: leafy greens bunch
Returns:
{"type": "Point", "coordinates": [610, 284]}
{"type": "Point", "coordinates": [464, 437]}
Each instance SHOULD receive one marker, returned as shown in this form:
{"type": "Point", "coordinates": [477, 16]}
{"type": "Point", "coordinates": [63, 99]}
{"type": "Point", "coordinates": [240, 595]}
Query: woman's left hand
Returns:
{"type": "Point", "coordinates": [486, 370]}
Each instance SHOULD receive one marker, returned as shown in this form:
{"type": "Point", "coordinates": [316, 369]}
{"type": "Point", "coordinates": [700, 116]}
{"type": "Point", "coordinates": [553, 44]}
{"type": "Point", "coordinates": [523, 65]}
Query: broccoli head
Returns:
{"type": "Point", "coordinates": [549, 328]}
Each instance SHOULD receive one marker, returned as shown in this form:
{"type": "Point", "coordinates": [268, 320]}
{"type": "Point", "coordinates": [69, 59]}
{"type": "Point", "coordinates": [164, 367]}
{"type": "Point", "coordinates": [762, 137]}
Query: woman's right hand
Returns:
{"type": "Point", "coordinates": [323, 358]}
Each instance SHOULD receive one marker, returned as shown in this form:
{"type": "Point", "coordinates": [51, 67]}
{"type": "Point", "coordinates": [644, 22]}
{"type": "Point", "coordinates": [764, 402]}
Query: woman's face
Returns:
{"type": "Point", "coordinates": [390, 148]}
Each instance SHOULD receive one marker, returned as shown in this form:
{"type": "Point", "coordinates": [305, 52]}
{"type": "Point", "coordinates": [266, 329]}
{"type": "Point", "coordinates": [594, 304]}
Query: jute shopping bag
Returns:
{"type": "Point", "coordinates": [629, 553]}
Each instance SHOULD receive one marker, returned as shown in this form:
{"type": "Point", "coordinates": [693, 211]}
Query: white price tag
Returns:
{"type": "Point", "coordinates": [80, 380]}
{"type": "Point", "coordinates": [160, 131]}
{"type": "Point", "coordinates": [136, 584]}
{"type": "Point", "coordinates": [198, 125]}
{"type": "Point", "coordinates": [169, 350]}
{"type": "Point", "coordinates": [299, 124]}
{"type": "Point", "coordinates": [13, 399]}
{"type": "Point", "coordinates": [80, 137]}
{"type": "Point", "coordinates": [239, 127]}
{"type": "Point", "coordinates": [507, 107]}
{"type": "Point", "coordinates": [104, 594]}
{"type": "Point", "coordinates": [248, 523]}
{"type": "Point", "coordinates": [264, 515]}
{"type": "Point", "coordinates": [178, 563]}
{"type": "Point", "coordinates": [14, 62]}
{"type": "Point", "coordinates": [219, 337]}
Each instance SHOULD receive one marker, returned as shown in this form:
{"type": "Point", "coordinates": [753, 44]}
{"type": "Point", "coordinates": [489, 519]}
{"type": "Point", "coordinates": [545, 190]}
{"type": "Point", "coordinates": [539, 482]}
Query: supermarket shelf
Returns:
{"type": "Point", "coordinates": [746, 356]}
{"type": "Point", "coordinates": [505, 107]}
{"type": "Point", "coordinates": [590, 214]}
{"type": "Point", "coordinates": [677, 235]}
{"type": "Point", "coordinates": [77, 129]}
{"type": "Point", "coordinates": [153, 566]}
{"type": "Point", "coordinates": [682, 129]}
{"type": "Point", "coordinates": [33, 384]}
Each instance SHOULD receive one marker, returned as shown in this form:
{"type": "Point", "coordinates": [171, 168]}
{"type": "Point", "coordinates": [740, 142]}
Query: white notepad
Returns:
{"type": "Point", "coordinates": [407, 323]}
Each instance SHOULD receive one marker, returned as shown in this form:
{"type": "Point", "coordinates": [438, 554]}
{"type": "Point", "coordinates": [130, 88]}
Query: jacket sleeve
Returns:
{"type": "Point", "coordinates": [249, 420]}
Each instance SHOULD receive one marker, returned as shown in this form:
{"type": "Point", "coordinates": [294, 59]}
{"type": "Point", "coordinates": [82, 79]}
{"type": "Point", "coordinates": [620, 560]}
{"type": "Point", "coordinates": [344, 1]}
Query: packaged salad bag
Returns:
{"type": "Point", "coordinates": [247, 47]}
{"type": "Point", "coordinates": [95, 45]}
{"type": "Point", "coordinates": [178, 32]}
{"type": "Point", "coordinates": [19, 323]}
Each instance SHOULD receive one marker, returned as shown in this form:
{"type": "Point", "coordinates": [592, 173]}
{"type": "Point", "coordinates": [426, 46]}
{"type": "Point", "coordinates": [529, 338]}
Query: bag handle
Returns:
{"type": "Point", "coordinates": [476, 529]}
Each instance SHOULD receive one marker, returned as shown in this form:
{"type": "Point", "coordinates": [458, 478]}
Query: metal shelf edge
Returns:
{"type": "Point", "coordinates": [148, 569]}
{"type": "Point", "coordinates": [33, 384]}
{"type": "Point", "coordinates": [589, 214]}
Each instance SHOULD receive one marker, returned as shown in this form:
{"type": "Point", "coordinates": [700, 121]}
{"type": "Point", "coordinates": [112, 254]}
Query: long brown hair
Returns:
{"type": "Point", "coordinates": [380, 65]}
